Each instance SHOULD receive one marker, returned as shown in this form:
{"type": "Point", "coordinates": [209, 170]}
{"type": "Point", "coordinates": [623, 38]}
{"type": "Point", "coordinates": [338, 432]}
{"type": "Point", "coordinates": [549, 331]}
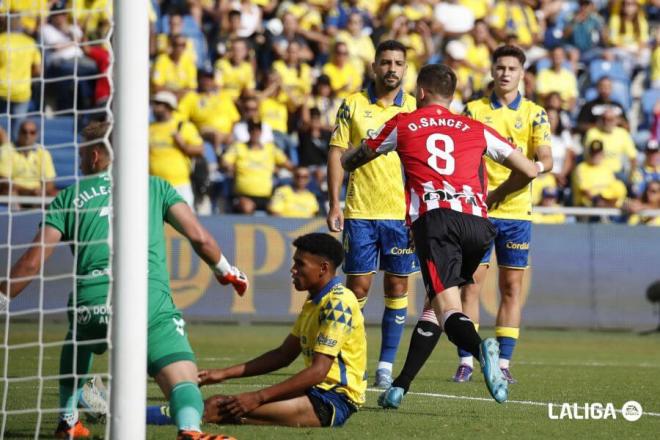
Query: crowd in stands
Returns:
{"type": "Point", "coordinates": [245, 92]}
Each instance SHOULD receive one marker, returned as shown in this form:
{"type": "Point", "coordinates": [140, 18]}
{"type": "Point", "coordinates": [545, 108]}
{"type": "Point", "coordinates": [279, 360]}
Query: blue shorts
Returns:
{"type": "Point", "coordinates": [332, 408]}
{"type": "Point", "coordinates": [366, 240]}
{"type": "Point", "coordinates": [511, 243]}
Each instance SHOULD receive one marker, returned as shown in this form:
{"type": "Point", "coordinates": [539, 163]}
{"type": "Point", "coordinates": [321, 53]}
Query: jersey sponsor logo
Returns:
{"type": "Point", "coordinates": [442, 195]}
{"type": "Point", "coordinates": [324, 340]}
{"type": "Point", "coordinates": [423, 333]}
{"type": "Point", "coordinates": [401, 251]}
{"type": "Point", "coordinates": [84, 314]}
{"type": "Point", "coordinates": [518, 246]}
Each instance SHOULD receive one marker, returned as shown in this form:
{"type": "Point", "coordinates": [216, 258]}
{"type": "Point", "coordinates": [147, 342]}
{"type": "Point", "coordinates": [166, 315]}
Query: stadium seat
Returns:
{"type": "Point", "coordinates": [614, 70]}
{"type": "Point", "coordinates": [191, 30]}
{"type": "Point", "coordinates": [649, 99]}
{"type": "Point", "coordinates": [620, 94]}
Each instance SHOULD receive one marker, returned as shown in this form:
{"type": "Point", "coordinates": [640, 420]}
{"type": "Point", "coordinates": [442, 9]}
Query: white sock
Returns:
{"type": "Point", "coordinates": [385, 366]}
{"type": "Point", "coordinates": [504, 363]}
{"type": "Point", "coordinates": [467, 361]}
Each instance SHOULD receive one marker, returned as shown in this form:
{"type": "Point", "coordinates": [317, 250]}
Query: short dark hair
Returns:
{"type": "Point", "coordinates": [437, 79]}
{"type": "Point", "coordinates": [323, 245]}
{"type": "Point", "coordinates": [509, 51]}
{"type": "Point", "coordinates": [390, 45]}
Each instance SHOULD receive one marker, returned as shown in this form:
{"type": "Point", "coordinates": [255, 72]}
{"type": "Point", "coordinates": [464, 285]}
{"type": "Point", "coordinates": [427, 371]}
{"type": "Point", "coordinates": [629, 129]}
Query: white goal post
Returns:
{"type": "Point", "coordinates": [130, 226]}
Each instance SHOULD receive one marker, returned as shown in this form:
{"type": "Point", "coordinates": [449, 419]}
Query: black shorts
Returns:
{"type": "Point", "coordinates": [261, 203]}
{"type": "Point", "coordinates": [450, 245]}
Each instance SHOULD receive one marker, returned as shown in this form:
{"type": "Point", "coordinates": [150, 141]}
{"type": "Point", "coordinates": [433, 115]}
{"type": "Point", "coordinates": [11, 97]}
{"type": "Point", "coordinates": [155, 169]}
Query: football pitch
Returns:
{"type": "Point", "coordinates": [552, 366]}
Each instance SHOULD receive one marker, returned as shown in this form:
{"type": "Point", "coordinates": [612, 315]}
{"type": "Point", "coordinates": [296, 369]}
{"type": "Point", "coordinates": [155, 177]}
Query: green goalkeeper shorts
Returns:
{"type": "Point", "coordinates": [167, 338]}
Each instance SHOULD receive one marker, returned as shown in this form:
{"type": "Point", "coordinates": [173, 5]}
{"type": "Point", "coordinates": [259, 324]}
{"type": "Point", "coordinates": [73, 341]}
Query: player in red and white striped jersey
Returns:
{"type": "Point", "coordinates": [447, 201]}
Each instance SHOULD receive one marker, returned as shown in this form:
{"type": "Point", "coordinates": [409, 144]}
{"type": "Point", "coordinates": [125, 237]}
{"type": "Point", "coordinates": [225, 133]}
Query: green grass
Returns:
{"type": "Point", "coordinates": [552, 366]}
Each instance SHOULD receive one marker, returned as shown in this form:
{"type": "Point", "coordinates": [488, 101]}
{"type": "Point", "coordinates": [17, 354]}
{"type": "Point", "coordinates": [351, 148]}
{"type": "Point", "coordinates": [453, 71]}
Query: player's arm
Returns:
{"type": "Point", "coordinates": [294, 386]}
{"type": "Point", "coordinates": [29, 265]}
{"type": "Point", "coordinates": [522, 169]}
{"type": "Point", "coordinates": [338, 143]}
{"type": "Point", "coordinates": [541, 141]}
{"type": "Point", "coordinates": [384, 142]}
{"type": "Point", "coordinates": [268, 362]}
{"type": "Point", "coordinates": [181, 217]}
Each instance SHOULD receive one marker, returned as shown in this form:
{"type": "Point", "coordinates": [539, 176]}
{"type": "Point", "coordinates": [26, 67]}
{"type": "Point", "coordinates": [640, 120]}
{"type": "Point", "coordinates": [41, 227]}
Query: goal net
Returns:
{"type": "Point", "coordinates": [55, 78]}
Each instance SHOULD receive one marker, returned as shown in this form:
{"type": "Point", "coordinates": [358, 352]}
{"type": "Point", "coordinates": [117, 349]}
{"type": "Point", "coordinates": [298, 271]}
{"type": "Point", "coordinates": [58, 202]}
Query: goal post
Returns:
{"type": "Point", "coordinates": [130, 225]}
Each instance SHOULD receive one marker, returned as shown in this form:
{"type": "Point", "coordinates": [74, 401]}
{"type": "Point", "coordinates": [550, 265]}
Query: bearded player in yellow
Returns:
{"type": "Point", "coordinates": [524, 124]}
{"type": "Point", "coordinates": [373, 222]}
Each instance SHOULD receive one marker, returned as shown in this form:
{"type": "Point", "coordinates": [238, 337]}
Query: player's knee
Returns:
{"type": "Point", "coordinates": [395, 286]}
{"type": "Point", "coordinates": [359, 285]}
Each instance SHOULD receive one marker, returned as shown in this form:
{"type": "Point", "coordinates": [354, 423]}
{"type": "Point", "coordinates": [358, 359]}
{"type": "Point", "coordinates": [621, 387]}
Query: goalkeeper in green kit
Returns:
{"type": "Point", "coordinates": [81, 214]}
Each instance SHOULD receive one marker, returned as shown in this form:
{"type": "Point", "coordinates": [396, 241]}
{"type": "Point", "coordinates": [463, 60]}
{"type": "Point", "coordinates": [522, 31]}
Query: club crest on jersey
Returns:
{"type": "Point", "coordinates": [519, 123]}
{"type": "Point", "coordinates": [367, 114]}
{"type": "Point", "coordinates": [488, 120]}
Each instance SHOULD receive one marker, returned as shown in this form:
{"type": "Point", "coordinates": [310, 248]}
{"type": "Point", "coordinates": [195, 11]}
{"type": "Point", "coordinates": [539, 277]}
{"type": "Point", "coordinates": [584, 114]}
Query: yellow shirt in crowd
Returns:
{"type": "Point", "coordinates": [28, 168]}
{"type": "Point", "coordinates": [18, 53]}
{"type": "Point", "coordinates": [254, 168]}
{"type": "Point", "coordinates": [289, 203]}
{"type": "Point", "coordinates": [174, 76]}
{"type": "Point", "coordinates": [215, 111]}
{"type": "Point", "coordinates": [234, 79]}
{"type": "Point", "coordinates": [166, 160]}
{"type": "Point", "coordinates": [616, 144]}
{"type": "Point", "coordinates": [343, 80]}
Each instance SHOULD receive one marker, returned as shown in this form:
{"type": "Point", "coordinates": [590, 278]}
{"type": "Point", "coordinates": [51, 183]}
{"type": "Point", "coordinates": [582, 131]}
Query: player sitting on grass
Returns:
{"type": "Point", "coordinates": [329, 333]}
{"type": "Point", "coordinates": [81, 213]}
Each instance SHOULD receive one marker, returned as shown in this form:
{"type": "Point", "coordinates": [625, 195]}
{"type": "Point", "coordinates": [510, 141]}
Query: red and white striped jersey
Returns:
{"type": "Point", "coordinates": [442, 158]}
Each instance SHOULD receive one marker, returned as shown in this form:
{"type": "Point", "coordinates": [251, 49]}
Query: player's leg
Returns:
{"type": "Point", "coordinates": [398, 261]}
{"type": "Point", "coordinates": [360, 256]}
{"type": "Point", "coordinates": [296, 412]}
{"type": "Point", "coordinates": [178, 382]}
{"type": "Point", "coordinates": [470, 300]}
{"type": "Point", "coordinates": [512, 260]}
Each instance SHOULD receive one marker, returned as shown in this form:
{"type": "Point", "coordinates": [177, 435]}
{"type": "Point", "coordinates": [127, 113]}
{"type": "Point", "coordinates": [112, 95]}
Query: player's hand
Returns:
{"type": "Point", "coordinates": [209, 377]}
{"type": "Point", "coordinates": [493, 200]}
{"type": "Point", "coordinates": [236, 278]}
{"type": "Point", "coordinates": [242, 404]}
{"type": "Point", "coordinates": [215, 410]}
{"type": "Point", "coordinates": [335, 219]}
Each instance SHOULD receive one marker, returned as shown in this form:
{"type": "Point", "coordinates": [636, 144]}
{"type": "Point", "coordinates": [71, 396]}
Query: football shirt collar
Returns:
{"type": "Point", "coordinates": [495, 102]}
{"type": "Point", "coordinates": [324, 291]}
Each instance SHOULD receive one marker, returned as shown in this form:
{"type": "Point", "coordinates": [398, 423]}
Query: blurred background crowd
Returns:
{"type": "Point", "coordinates": [244, 93]}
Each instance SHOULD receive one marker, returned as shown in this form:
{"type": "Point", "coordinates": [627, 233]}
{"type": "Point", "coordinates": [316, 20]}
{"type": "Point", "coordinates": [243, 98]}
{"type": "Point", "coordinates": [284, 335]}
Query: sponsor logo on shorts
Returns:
{"type": "Point", "coordinates": [84, 314]}
{"type": "Point", "coordinates": [631, 411]}
{"type": "Point", "coordinates": [518, 246]}
{"type": "Point", "coordinates": [401, 251]}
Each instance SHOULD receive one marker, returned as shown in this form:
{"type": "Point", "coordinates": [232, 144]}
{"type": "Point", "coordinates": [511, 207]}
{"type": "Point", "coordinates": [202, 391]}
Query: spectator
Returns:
{"type": "Point", "coordinates": [456, 52]}
{"type": "Point", "coordinates": [29, 14]}
{"type": "Point", "coordinates": [290, 32]}
{"type": "Point", "coordinates": [629, 34]}
{"type": "Point", "coordinates": [360, 46]}
{"type": "Point", "coordinates": [553, 102]}
{"type": "Point", "coordinates": [654, 70]}
{"type": "Point", "coordinates": [251, 21]}
{"type": "Point", "coordinates": [594, 182]}
{"type": "Point", "coordinates": [313, 146]}
{"type": "Point", "coordinates": [324, 99]}
{"type": "Point", "coordinates": [230, 24]}
{"type": "Point", "coordinates": [235, 72]}
{"type": "Point", "coordinates": [164, 43]}
{"type": "Point", "coordinates": [650, 199]}
{"type": "Point", "coordinates": [252, 164]}
{"type": "Point", "coordinates": [273, 110]}
{"type": "Point", "coordinates": [20, 60]}
{"type": "Point", "coordinates": [558, 79]}
{"type": "Point", "coordinates": [413, 32]}
{"type": "Point", "coordinates": [338, 17]}
{"type": "Point", "coordinates": [175, 71]}
{"type": "Point", "coordinates": [172, 145]}
{"type": "Point", "coordinates": [586, 32]}
{"type": "Point", "coordinates": [514, 18]}
{"type": "Point", "coordinates": [296, 200]}
{"type": "Point", "coordinates": [549, 198]}
{"type": "Point", "coordinates": [344, 79]}
{"type": "Point", "coordinates": [618, 145]}
{"type": "Point", "coordinates": [295, 75]}
{"type": "Point", "coordinates": [29, 166]}
{"type": "Point", "coordinates": [649, 171]}
{"type": "Point", "coordinates": [594, 109]}
{"type": "Point", "coordinates": [65, 58]}
{"type": "Point", "coordinates": [479, 44]}
{"type": "Point", "coordinates": [211, 110]}
{"type": "Point", "coordinates": [250, 112]}
{"type": "Point", "coordinates": [564, 149]}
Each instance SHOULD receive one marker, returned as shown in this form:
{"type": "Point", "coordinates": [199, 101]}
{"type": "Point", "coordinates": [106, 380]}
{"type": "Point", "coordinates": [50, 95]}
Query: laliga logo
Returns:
{"type": "Point", "coordinates": [631, 411]}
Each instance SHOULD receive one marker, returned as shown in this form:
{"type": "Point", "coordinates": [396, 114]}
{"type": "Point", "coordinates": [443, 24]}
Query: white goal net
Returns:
{"type": "Point", "coordinates": [56, 63]}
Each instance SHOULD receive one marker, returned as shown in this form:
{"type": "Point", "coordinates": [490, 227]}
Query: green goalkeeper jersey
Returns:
{"type": "Point", "coordinates": [82, 213]}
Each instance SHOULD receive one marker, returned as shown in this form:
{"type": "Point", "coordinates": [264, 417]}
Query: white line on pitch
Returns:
{"type": "Point", "coordinates": [484, 399]}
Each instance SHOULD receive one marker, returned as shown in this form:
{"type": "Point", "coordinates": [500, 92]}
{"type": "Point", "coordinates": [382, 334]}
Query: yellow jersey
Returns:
{"type": "Point", "coordinates": [30, 11]}
{"type": "Point", "coordinates": [214, 111]}
{"type": "Point", "coordinates": [331, 323]}
{"type": "Point", "coordinates": [375, 190]}
{"type": "Point", "coordinates": [616, 145]}
{"type": "Point", "coordinates": [289, 203]}
{"type": "Point", "coordinates": [174, 76]}
{"type": "Point", "coordinates": [296, 81]}
{"type": "Point", "coordinates": [274, 112]}
{"type": "Point", "coordinates": [163, 46]}
{"type": "Point", "coordinates": [563, 82]}
{"type": "Point", "coordinates": [90, 13]}
{"type": "Point", "coordinates": [254, 168]}
{"type": "Point", "coordinates": [524, 124]}
{"type": "Point", "coordinates": [234, 79]}
{"type": "Point", "coordinates": [515, 18]}
{"type": "Point", "coordinates": [18, 53]}
{"type": "Point", "coordinates": [166, 160]}
{"type": "Point", "coordinates": [26, 169]}
{"type": "Point", "coordinates": [597, 180]}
